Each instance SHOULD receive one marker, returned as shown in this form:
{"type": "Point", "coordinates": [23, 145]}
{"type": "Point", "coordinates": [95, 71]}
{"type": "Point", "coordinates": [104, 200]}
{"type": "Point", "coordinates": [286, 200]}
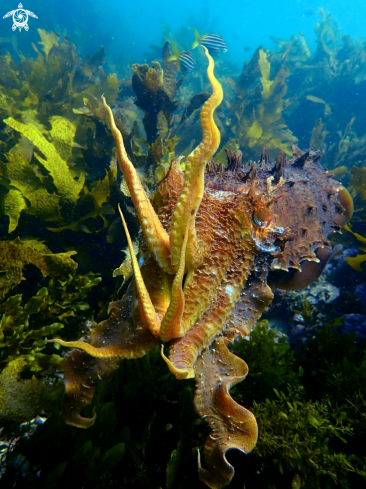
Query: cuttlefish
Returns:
{"type": "Point", "coordinates": [216, 242]}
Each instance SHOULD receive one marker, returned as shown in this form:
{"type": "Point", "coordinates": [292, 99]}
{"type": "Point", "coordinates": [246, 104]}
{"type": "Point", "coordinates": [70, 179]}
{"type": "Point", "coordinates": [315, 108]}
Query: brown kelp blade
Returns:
{"type": "Point", "coordinates": [233, 426]}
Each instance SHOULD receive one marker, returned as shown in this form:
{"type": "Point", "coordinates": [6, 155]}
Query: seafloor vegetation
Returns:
{"type": "Point", "coordinates": [60, 266]}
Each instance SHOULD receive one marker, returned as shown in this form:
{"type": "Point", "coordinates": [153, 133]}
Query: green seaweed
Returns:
{"type": "Point", "coordinates": [25, 327]}
{"type": "Point", "coordinates": [257, 112]}
{"type": "Point", "coordinates": [15, 255]}
{"type": "Point", "coordinates": [63, 132]}
{"type": "Point", "coordinates": [310, 426]}
{"type": "Point", "coordinates": [20, 399]}
{"type": "Point", "coordinates": [306, 437]}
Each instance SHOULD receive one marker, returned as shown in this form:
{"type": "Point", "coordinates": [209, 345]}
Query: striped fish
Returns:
{"type": "Point", "coordinates": [213, 42]}
{"type": "Point", "coordinates": [184, 58]}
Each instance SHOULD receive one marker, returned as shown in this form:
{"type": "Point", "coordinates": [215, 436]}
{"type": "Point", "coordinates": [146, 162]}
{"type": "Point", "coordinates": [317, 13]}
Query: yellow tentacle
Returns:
{"type": "Point", "coordinates": [171, 326]}
{"type": "Point", "coordinates": [192, 193]}
{"type": "Point", "coordinates": [156, 237]}
{"type": "Point", "coordinates": [148, 314]}
{"type": "Point", "coordinates": [104, 352]}
{"type": "Point", "coordinates": [180, 373]}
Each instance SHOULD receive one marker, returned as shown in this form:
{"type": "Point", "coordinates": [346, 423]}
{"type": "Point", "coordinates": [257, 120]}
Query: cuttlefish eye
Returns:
{"type": "Point", "coordinates": [262, 218]}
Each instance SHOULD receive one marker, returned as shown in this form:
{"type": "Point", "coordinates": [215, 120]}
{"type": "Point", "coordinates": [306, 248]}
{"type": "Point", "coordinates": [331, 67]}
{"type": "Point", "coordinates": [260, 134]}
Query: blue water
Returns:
{"type": "Point", "coordinates": [127, 29]}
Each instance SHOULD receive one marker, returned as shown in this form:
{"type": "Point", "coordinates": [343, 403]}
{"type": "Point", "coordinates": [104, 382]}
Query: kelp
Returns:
{"type": "Point", "coordinates": [358, 191]}
{"type": "Point", "coordinates": [20, 399]}
{"type": "Point", "coordinates": [63, 133]}
{"type": "Point", "coordinates": [258, 109]}
{"type": "Point", "coordinates": [155, 88]}
{"type": "Point", "coordinates": [43, 174]}
{"type": "Point", "coordinates": [25, 327]}
{"type": "Point", "coordinates": [52, 83]}
{"type": "Point", "coordinates": [33, 191]}
{"type": "Point", "coordinates": [299, 435]}
{"type": "Point", "coordinates": [15, 255]}
{"type": "Point", "coordinates": [316, 82]}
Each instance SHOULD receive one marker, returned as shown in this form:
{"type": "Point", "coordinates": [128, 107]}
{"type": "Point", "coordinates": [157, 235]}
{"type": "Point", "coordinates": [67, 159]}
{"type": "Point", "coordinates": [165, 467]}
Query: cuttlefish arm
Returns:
{"type": "Point", "coordinates": [147, 311]}
{"type": "Point", "coordinates": [192, 193]}
{"type": "Point", "coordinates": [156, 237]}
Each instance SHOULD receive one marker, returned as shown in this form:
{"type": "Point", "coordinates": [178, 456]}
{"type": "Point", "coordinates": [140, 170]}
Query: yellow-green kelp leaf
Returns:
{"type": "Point", "coordinates": [265, 67]}
{"type": "Point", "coordinates": [339, 172]}
{"type": "Point", "coordinates": [359, 237]}
{"type": "Point", "coordinates": [12, 205]}
{"type": "Point", "coordinates": [358, 180]}
{"type": "Point", "coordinates": [63, 133]}
{"type": "Point", "coordinates": [111, 87]}
{"type": "Point", "coordinates": [20, 174]}
{"type": "Point", "coordinates": [255, 132]}
{"type": "Point", "coordinates": [318, 100]}
{"type": "Point", "coordinates": [20, 399]}
{"type": "Point", "coordinates": [355, 262]}
{"type": "Point", "coordinates": [125, 269]}
{"type": "Point", "coordinates": [20, 333]}
{"type": "Point", "coordinates": [67, 188]}
{"type": "Point", "coordinates": [49, 39]}
{"type": "Point", "coordinates": [98, 198]}
{"type": "Point", "coordinates": [14, 255]}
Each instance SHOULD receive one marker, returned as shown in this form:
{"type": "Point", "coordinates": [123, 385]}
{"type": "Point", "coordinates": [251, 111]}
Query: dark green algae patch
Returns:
{"type": "Point", "coordinates": [59, 189]}
{"type": "Point", "coordinates": [311, 426]}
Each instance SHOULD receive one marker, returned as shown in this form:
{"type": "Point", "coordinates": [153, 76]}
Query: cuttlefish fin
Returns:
{"type": "Point", "coordinates": [157, 238]}
{"type": "Point", "coordinates": [193, 187]}
{"type": "Point", "coordinates": [232, 426]}
{"type": "Point", "coordinates": [148, 314]}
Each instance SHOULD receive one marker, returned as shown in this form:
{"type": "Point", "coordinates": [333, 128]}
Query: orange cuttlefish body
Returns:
{"type": "Point", "coordinates": [212, 239]}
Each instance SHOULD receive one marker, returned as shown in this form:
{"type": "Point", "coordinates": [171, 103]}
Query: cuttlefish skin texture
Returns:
{"type": "Point", "coordinates": [212, 237]}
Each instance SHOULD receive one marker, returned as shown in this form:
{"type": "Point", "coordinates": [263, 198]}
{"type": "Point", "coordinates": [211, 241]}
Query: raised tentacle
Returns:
{"type": "Point", "coordinates": [110, 351]}
{"type": "Point", "coordinates": [156, 237]}
{"type": "Point", "coordinates": [192, 193]}
{"type": "Point", "coordinates": [171, 325]}
{"type": "Point", "coordinates": [148, 314]}
{"type": "Point", "coordinates": [180, 373]}
{"type": "Point", "coordinates": [233, 426]}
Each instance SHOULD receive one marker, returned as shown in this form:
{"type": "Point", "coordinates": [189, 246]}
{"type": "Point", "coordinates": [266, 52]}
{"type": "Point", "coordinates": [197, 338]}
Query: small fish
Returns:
{"type": "Point", "coordinates": [309, 12]}
{"type": "Point", "coordinates": [212, 42]}
{"type": "Point", "coordinates": [246, 49]}
{"type": "Point", "coordinates": [184, 58]}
